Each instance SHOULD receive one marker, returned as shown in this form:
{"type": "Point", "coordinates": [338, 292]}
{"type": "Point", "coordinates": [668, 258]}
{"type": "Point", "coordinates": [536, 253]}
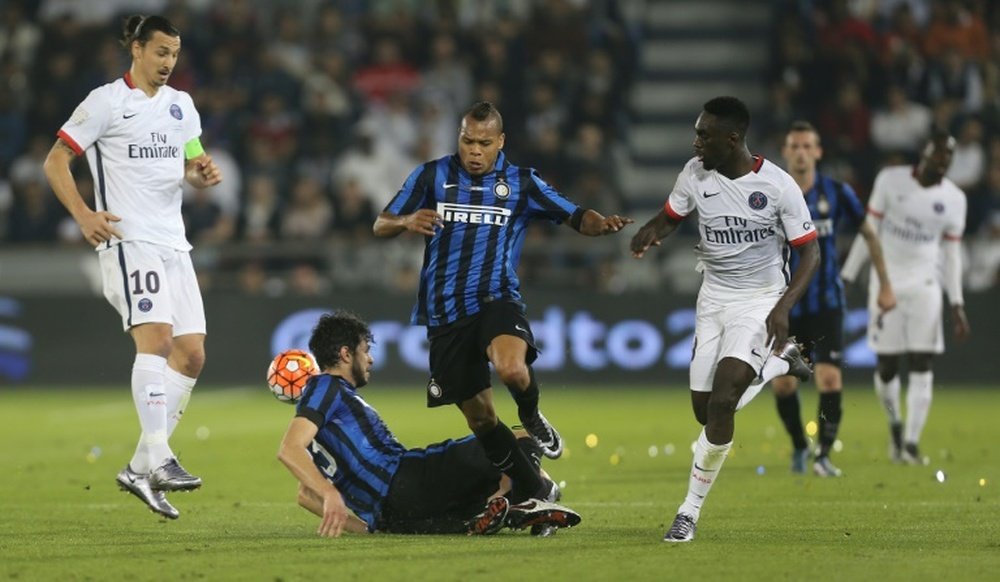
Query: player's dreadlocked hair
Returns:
{"type": "Point", "coordinates": [141, 28]}
{"type": "Point", "coordinates": [484, 110]}
{"type": "Point", "coordinates": [732, 112]}
{"type": "Point", "coordinates": [334, 331]}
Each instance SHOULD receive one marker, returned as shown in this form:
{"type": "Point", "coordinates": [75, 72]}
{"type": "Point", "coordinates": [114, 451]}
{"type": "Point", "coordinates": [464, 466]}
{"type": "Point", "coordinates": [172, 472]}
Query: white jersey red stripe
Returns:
{"type": "Point", "coordinates": [135, 148]}
{"type": "Point", "coordinates": [744, 223]}
{"type": "Point", "coordinates": [914, 221]}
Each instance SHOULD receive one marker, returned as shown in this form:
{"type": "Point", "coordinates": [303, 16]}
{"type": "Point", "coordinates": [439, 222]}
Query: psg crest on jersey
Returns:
{"type": "Point", "coordinates": [501, 190]}
{"type": "Point", "coordinates": [176, 112]}
{"type": "Point", "coordinates": [939, 207]}
{"type": "Point", "coordinates": [757, 200]}
{"type": "Point", "coordinates": [145, 305]}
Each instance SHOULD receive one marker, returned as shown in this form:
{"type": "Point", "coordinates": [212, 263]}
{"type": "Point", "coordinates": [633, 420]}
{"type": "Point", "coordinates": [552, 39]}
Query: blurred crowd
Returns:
{"type": "Point", "coordinates": [317, 110]}
{"type": "Point", "coordinates": [875, 76]}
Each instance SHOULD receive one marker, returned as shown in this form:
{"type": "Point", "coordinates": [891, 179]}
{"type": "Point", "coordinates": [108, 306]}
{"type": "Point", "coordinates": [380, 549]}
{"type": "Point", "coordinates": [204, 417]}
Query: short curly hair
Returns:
{"type": "Point", "coordinates": [334, 331]}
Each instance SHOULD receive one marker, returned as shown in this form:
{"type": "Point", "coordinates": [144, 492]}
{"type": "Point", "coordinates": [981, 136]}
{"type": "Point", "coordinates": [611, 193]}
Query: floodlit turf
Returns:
{"type": "Point", "coordinates": [62, 517]}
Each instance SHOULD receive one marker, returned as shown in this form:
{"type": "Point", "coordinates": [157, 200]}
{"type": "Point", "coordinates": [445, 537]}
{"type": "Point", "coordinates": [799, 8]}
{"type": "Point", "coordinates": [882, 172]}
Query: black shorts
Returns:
{"type": "Point", "coordinates": [459, 366]}
{"type": "Point", "coordinates": [823, 335]}
{"type": "Point", "coordinates": [438, 489]}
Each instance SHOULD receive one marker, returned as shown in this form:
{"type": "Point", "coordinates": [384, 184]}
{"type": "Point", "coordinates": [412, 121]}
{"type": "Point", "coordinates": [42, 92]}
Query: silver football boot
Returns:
{"type": "Point", "coordinates": [170, 476]}
{"type": "Point", "coordinates": [798, 366]}
{"type": "Point", "coordinates": [138, 484]}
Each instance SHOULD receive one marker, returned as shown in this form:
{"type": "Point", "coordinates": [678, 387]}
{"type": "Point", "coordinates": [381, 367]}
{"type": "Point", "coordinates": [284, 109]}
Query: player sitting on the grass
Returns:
{"type": "Point", "coordinates": [357, 477]}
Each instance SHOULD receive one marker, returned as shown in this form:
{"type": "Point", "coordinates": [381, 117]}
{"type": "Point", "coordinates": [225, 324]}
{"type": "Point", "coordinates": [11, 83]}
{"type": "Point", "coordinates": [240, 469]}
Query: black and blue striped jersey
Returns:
{"type": "Point", "coordinates": [831, 204]}
{"type": "Point", "coordinates": [473, 258]}
{"type": "Point", "coordinates": [353, 448]}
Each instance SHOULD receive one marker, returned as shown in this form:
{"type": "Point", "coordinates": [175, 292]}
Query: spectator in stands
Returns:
{"type": "Point", "coordinates": [968, 163]}
{"type": "Point", "coordinates": [952, 76]}
{"type": "Point", "coordinates": [353, 212]}
{"type": "Point", "coordinates": [901, 124]}
{"type": "Point", "coordinates": [954, 27]}
{"type": "Point", "coordinates": [308, 214]}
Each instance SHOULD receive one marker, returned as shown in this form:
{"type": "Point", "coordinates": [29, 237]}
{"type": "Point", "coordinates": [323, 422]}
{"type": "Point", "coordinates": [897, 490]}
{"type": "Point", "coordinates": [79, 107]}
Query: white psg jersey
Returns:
{"type": "Point", "coordinates": [135, 148]}
{"type": "Point", "coordinates": [914, 221]}
{"type": "Point", "coordinates": [744, 224]}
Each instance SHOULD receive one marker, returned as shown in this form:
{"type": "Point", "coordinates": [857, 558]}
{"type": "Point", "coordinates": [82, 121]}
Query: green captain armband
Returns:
{"type": "Point", "coordinates": [193, 149]}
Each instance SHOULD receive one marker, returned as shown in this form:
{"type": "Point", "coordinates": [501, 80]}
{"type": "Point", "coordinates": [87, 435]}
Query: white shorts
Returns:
{"type": "Point", "coordinates": [914, 325]}
{"type": "Point", "coordinates": [728, 329]}
{"type": "Point", "coordinates": [149, 283]}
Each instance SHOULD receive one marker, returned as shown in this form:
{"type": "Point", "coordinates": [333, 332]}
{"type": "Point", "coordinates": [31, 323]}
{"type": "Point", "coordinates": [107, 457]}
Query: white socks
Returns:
{"type": "Point", "coordinates": [888, 395]}
{"type": "Point", "coordinates": [178, 388]}
{"type": "Point", "coordinates": [772, 368]}
{"type": "Point", "coordinates": [149, 395]}
{"type": "Point", "coordinates": [708, 459]}
{"type": "Point", "coordinates": [918, 404]}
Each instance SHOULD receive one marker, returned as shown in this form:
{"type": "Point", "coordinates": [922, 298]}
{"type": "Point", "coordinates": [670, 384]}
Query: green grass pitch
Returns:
{"type": "Point", "coordinates": [62, 517]}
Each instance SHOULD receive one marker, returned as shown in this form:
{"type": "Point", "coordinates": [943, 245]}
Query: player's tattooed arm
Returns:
{"type": "Point", "coordinates": [65, 147]}
{"type": "Point", "coordinates": [97, 227]}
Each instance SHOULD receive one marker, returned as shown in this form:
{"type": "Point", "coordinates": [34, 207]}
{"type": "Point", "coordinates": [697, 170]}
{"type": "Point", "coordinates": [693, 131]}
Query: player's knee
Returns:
{"type": "Point", "coordinates": [887, 368]}
{"type": "Point", "coordinates": [920, 362]}
{"type": "Point", "coordinates": [481, 419]}
{"type": "Point", "coordinates": [481, 424]}
{"type": "Point", "coordinates": [190, 362]}
{"type": "Point", "coordinates": [784, 386]}
{"type": "Point", "coordinates": [513, 374]}
{"type": "Point", "coordinates": [722, 405]}
{"type": "Point", "coordinates": [828, 378]}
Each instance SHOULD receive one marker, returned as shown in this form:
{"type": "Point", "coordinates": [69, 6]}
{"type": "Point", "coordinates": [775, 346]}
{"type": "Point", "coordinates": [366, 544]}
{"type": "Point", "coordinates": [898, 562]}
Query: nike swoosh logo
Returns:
{"type": "Point", "coordinates": [446, 185]}
{"type": "Point", "coordinates": [155, 395]}
{"type": "Point", "coordinates": [703, 470]}
{"type": "Point", "coordinates": [520, 329]}
{"type": "Point", "coordinates": [754, 352]}
{"type": "Point", "coordinates": [707, 195]}
{"type": "Point", "coordinates": [129, 116]}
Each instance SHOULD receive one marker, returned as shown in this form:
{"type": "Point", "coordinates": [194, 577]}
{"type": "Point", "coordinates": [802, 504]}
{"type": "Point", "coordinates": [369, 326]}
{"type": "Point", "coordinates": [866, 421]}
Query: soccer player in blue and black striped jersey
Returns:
{"type": "Point", "coordinates": [818, 318]}
{"type": "Point", "coordinates": [346, 458]}
{"type": "Point", "coordinates": [473, 209]}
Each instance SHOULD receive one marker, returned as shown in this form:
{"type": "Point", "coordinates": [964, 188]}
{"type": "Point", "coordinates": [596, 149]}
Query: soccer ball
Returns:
{"type": "Point", "coordinates": [288, 373]}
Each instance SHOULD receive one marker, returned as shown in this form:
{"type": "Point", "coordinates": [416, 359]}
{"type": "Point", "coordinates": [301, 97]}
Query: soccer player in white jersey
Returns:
{"type": "Point", "coordinates": [141, 139]}
{"type": "Point", "coordinates": [749, 212]}
{"type": "Point", "coordinates": [920, 216]}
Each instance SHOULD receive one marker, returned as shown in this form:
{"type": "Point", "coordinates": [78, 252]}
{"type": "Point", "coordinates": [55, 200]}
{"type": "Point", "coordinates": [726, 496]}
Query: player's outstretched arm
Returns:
{"type": "Point", "coordinates": [593, 223]}
{"type": "Point", "coordinates": [777, 320]}
{"type": "Point", "coordinates": [886, 297]}
{"type": "Point", "coordinates": [201, 172]}
{"type": "Point", "coordinates": [294, 455]}
{"type": "Point", "coordinates": [97, 227]}
{"type": "Point", "coordinates": [424, 221]}
{"type": "Point", "coordinates": [312, 502]}
{"type": "Point", "coordinates": [658, 228]}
